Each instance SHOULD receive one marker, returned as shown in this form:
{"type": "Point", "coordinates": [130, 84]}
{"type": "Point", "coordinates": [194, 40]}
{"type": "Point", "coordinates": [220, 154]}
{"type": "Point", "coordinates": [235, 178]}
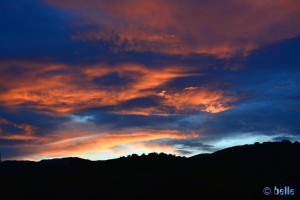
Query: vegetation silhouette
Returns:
{"type": "Point", "coordinates": [239, 172]}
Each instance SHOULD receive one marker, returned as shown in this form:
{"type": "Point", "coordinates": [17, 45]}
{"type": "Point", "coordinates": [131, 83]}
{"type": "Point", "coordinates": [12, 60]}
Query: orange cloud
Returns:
{"type": "Point", "coordinates": [74, 89]}
{"type": "Point", "coordinates": [27, 134]}
{"type": "Point", "coordinates": [27, 128]}
{"type": "Point", "coordinates": [73, 139]}
{"type": "Point", "coordinates": [193, 98]}
{"type": "Point", "coordinates": [90, 142]}
{"type": "Point", "coordinates": [221, 28]}
{"type": "Point", "coordinates": [20, 137]}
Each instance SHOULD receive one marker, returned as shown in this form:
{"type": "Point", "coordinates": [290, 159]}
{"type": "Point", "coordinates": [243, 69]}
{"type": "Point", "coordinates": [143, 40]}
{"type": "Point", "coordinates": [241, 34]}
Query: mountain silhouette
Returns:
{"type": "Point", "coordinates": [240, 172]}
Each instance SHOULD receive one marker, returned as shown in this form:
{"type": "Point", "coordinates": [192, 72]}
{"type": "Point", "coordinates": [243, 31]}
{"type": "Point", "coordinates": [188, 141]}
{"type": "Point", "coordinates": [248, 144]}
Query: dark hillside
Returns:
{"type": "Point", "coordinates": [240, 172]}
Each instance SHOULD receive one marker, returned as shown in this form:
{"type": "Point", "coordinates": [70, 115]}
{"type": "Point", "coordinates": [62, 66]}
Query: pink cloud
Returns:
{"type": "Point", "coordinates": [215, 27]}
{"type": "Point", "coordinates": [74, 90]}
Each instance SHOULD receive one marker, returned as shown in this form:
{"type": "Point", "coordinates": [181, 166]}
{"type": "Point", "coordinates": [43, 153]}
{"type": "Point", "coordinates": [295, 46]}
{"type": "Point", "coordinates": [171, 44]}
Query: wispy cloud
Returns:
{"type": "Point", "coordinates": [221, 28]}
{"type": "Point", "coordinates": [62, 89]}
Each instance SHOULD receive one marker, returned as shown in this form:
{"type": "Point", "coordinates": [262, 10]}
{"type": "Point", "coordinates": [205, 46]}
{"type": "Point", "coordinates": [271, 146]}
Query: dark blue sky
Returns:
{"type": "Point", "coordinates": [102, 79]}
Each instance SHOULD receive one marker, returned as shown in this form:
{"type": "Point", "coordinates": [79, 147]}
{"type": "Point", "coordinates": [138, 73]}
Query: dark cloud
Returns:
{"type": "Point", "coordinates": [281, 138]}
{"type": "Point", "coordinates": [255, 118]}
{"type": "Point", "coordinates": [45, 123]}
{"type": "Point", "coordinates": [112, 79]}
{"type": "Point", "coordinates": [133, 121]}
{"type": "Point", "coordinates": [183, 146]}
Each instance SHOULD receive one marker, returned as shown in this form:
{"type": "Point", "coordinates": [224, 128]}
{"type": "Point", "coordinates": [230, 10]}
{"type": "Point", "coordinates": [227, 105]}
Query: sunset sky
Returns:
{"type": "Point", "coordinates": [100, 79]}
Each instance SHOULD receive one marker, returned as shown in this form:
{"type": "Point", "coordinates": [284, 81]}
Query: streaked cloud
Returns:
{"type": "Point", "coordinates": [62, 88]}
{"type": "Point", "coordinates": [27, 129]}
{"type": "Point", "coordinates": [201, 99]}
{"type": "Point", "coordinates": [80, 143]}
{"type": "Point", "coordinates": [221, 28]}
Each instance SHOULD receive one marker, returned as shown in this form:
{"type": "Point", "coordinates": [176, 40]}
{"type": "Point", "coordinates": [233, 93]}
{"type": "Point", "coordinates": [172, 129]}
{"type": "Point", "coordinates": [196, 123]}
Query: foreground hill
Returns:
{"type": "Point", "coordinates": [240, 172]}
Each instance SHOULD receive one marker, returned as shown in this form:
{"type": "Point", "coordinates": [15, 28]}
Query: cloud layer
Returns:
{"type": "Point", "coordinates": [175, 27]}
{"type": "Point", "coordinates": [101, 79]}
